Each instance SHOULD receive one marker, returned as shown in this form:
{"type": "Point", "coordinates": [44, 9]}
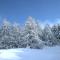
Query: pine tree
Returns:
{"type": "Point", "coordinates": [48, 36]}
{"type": "Point", "coordinates": [4, 34]}
{"type": "Point", "coordinates": [31, 34]}
{"type": "Point", "coordinates": [15, 35]}
{"type": "Point", "coordinates": [56, 33]}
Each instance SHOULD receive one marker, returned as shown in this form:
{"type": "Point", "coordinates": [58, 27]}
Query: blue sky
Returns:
{"type": "Point", "coordinates": [19, 10]}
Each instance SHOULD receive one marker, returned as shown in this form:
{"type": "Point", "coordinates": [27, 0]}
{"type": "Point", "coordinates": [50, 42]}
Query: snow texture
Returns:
{"type": "Point", "coordinates": [48, 53]}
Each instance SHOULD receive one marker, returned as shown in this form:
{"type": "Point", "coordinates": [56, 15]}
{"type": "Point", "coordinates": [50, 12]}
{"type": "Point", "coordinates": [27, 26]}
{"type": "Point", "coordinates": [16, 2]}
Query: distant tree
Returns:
{"type": "Point", "coordinates": [56, 33]}
{"type": "Point", "coordinates": [16, 34]}
{"type": "Point", "coordinates": [48, 37]}
{"type": "Point", "coordinates": [9, 35]}
{"type": "Point", "coordinates": [5, 34]}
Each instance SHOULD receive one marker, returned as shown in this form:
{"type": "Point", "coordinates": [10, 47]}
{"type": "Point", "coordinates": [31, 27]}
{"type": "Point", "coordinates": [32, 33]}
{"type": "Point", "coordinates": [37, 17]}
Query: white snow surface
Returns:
{"type": "Point", "coordinates": [48, 53]}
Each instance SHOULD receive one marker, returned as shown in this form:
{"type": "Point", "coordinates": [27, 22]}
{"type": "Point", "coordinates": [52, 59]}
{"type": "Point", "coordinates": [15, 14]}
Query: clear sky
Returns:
{"type": "Point", "coordinates": [19, 10]}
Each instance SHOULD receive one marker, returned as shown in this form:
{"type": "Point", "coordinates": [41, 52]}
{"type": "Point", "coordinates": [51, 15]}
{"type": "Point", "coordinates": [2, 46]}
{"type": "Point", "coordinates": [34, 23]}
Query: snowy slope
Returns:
{"type": "Point", "coordinates": [52, 53]}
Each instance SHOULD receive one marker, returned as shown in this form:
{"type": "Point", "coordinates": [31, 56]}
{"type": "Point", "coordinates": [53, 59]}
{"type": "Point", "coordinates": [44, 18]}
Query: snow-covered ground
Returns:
{"type": "Point", "coordinates": [52, 53]}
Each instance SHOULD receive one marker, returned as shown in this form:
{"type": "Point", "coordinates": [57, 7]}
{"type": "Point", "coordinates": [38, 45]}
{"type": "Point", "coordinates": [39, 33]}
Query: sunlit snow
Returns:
{"type": "Point", "coordinates": [10, 54]}
{"type": "Point", "coordinates": [49, 53]}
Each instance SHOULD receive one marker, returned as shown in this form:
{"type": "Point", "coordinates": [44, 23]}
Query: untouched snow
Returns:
{"type": "Point", "coordinates": [48, 53]}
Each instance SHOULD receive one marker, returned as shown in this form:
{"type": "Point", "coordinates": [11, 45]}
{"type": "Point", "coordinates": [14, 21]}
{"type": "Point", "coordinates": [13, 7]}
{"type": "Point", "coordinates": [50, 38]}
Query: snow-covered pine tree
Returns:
{"type": "Point", "coordinates": [48, 37]}
{"type": "Point", "coordinates": [4, 34]}
{"type": "Point", "coordinates": [15, 35]}
{"type": "Point", "coordinates": [31, 34]}
{"type": "Point", "coordinates": [9, 35]}
{"type": "Point", "coordinates": [56, 33]}
{"type": "Point", "coordinates": [58, 36]}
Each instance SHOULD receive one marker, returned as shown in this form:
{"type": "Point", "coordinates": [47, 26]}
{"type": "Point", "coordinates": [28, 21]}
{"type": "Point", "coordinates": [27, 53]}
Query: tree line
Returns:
{"type": "Point", "coordinates": [30, 36]}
